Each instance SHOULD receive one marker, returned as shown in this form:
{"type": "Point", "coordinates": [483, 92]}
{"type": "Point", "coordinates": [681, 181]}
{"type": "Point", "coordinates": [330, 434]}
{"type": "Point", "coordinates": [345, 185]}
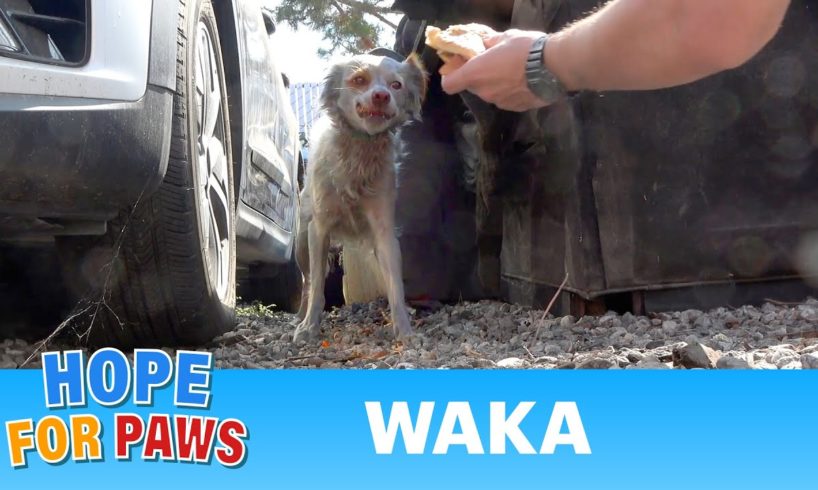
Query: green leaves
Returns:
{"type": "Point", "coordinates": [351, 26]}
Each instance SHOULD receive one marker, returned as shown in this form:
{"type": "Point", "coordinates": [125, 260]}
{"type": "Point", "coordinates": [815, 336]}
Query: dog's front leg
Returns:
{"type": "Point", "coordinates": [318, 250]}
{"type": "Point", "coordinates": [381, 218]}
{"type": "Point", "coordinates": [302, 258]}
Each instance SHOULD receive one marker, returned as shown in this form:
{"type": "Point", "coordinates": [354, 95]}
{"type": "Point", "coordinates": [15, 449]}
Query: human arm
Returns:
{"type": "Point", "coordinates": [626, 45]}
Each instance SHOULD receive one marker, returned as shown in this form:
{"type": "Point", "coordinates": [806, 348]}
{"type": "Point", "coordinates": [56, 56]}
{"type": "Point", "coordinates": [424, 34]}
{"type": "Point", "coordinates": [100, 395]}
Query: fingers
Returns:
{"type": "Point", "coordinates": [460, 77]}
{"type": "Point", "coordinates": [452, 65]}
{"type": "Point", "coordinates": [457, 79]}
{"type": "Point", "coordinates": [493, 40]}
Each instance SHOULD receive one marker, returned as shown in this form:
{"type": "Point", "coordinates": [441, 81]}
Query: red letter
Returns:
{"type": "Point", "coordinates": [194, 438]}
{"type": "Point", "coordinates": [128, 430]}
{"type": "Point", "coordinates": [158, 439]}
{"type": "Point", "coordinates": [233, 451]}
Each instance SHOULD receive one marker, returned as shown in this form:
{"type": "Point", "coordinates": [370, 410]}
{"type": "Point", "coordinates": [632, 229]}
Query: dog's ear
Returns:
{"type": "Point", "coordinates": [417, 81]}
{"type": "Point", "coordinates": [333, 84]}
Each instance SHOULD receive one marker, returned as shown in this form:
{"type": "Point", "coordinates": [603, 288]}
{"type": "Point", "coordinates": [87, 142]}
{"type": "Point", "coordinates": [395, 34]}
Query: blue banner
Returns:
{"type": "Point", "coordinates": [315, 429]}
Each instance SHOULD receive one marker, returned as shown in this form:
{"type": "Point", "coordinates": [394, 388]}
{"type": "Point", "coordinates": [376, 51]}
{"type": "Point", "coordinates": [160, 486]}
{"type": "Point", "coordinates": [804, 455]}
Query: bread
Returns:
{"type": "Point", "coordinates": [464, 40]}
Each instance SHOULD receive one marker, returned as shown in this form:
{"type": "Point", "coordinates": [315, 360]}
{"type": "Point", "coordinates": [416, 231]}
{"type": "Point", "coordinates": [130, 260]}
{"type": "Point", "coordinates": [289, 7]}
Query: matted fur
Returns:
{"type": "Point", "coordinates": [350, 188]}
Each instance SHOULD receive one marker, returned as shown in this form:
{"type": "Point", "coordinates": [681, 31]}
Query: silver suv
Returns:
{"type": "Point", "coordinates": [152, 142]}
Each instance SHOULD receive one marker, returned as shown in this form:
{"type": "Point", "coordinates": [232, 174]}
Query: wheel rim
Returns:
{"type": "Point", "coordinates": [212, 165]}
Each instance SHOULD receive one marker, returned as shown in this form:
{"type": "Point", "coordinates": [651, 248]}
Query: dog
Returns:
{"type": "Point", "coordinates": [351, 184]}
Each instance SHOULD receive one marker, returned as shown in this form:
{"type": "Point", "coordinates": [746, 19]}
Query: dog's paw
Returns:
{"type": "Point", "coordinates": [306, 332]}
{"type": "Point", "coordinates": [402, 329]}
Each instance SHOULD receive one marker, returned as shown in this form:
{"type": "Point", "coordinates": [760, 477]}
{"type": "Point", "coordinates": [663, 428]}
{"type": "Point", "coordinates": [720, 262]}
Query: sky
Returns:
{"type": "Point", "coordinates": [296, 51]}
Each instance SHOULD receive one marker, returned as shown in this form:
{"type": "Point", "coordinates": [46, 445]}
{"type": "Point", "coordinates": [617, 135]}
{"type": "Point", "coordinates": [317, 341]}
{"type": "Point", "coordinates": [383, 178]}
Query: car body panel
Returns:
{"type": "Point", "coordinates": [84, 142]}
{"type": "Point", "coordinates": [117, 69]}
{"type": "Point", "coordinates": [268, 186]}
{"type": "Point", "coordinates": [84, 162]}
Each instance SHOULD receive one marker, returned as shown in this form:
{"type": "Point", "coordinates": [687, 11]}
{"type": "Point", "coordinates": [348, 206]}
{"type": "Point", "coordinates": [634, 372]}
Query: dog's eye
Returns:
{"type": "Point", "coordinates": [397, 85]}
{"type": "Point", "coordinates": [359, 81]}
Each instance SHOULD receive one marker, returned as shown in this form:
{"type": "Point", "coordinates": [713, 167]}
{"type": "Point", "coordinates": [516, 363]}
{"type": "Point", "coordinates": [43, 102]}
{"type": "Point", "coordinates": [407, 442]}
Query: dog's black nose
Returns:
{"type": "Point", "coordinates": [381, 97]}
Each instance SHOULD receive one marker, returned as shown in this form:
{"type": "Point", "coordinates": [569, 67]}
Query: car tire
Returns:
{"type": "Point", "coordinates": [165, 273]}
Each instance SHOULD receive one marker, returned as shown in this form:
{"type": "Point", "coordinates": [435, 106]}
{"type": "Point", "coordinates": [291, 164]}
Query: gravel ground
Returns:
{"type": "Point", "coordinates": [499, 335]}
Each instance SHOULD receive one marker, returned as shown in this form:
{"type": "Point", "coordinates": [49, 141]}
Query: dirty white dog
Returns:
{"type": "Point", "coordinates": [350, 189]}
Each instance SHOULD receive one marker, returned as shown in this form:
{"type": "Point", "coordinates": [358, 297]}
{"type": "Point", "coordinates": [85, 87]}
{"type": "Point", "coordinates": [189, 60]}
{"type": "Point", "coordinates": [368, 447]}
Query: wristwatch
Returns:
{"type": "Point", "coordinates": [541, 81]}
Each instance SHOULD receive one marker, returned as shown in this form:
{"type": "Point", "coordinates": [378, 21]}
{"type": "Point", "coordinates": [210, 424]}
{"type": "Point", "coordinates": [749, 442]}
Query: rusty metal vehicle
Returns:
{"type": "Point", "coordinates": [691, 197]}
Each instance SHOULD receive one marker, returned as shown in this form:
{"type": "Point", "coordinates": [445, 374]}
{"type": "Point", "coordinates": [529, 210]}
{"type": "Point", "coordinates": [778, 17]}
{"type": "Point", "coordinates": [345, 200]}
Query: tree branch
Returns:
{"type": "Point", "coordinates": [370, 9]}
{"type": "Point", "coordinates": [366, 7]}
{"type": "Point", "coordinates": [338, 7]}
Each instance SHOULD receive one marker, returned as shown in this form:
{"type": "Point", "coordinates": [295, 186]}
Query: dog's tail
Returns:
{"type": "Point", "coordinates": [363, 281]}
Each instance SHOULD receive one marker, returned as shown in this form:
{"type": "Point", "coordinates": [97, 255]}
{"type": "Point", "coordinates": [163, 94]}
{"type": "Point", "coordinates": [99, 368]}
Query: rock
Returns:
{"type": "Point", "coordinates": [781, 356]}
{"type": "Point", "coordinates": [512, 363]}
{"type": "Point", "coordinates": [691, 339]}
{"type": "Point", "coordinates": [670, 327]}
{"type": "Point", "coordinates": [621, 361]}
{"type": "Point", "coordinates": [809, 361]}
{"type": "Point", "coordinates": [410, 355]}
{"type": "Point", "coordinates": [633, 355]}
{"type": "Point", "coordinates": [730, 362]}
{"type": "Point", "coordinates": [643, 325]}
{"type": "Point", "coordinates": [764, 365]}
{"type": "Point", "coordinates": [506, 324]}
{"type": "Point", "coordinates": [567, 321]}
{"type": "Point", "coordinates": [229, 338]}
{"type": "Point", "coordinates": [428, 356]}
{"type": "Point", "coordinates": [703, 323]}
{"type": "Point", "coordinates": [690, 316]}
{"type": "Point", "coordinates": [7, 363]}
{"type": "Point", "coordinates": [650, 362]}
{"type": "Point", "coordinates": [722, 341]}
{"type": "Point", "coordinates": [359, 336]}
{"type": "Point", "coordinates": [663, 354]}
{"type": "Point", "coordinates": [809, 349]}
{"type": "Point", "coordinates": [481, 363]}
{"type": "Point", "coordinates": [16, 353]}
{"type": "Point", "coordinates": [808, 313]}
{"type": "Point", "coordinates": [655, 344]}
{"type": "Point", "coordinates": [552, 350]}
{"type": "Point", "coordinates": [695, 355]}
{"type": "Point", "coordinates": [598, 363]}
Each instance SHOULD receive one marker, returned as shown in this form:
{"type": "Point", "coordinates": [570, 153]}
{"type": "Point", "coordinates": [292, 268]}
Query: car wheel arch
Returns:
{"type": "Point", "coordinates": [226, 22]}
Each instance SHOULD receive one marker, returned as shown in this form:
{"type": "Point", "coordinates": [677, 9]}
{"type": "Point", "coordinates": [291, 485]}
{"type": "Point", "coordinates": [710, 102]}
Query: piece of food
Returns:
{"type": "Point", "coordinates": [464, 40]}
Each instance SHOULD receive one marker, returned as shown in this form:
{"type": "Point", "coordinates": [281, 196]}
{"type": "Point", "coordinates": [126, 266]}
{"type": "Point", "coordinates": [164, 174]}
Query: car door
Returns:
{"type": "Point", "coordinates": [270, 150]}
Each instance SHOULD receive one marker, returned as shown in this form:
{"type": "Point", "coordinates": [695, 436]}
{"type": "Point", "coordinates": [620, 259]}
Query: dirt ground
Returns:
{"type": "Point", "coordinates": [499, 335]}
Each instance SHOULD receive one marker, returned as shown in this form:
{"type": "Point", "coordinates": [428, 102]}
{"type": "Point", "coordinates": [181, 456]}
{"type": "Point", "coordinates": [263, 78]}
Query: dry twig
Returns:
{"type": "Point", "coordinates": [548, 309]}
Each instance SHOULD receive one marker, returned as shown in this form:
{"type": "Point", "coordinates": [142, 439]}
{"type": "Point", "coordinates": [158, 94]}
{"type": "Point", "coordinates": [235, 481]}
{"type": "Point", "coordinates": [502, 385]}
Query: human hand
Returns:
{"type": "Point", "coordinates": [498, 74]}
{"type": "Point", "coordinates": [451, 65]}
